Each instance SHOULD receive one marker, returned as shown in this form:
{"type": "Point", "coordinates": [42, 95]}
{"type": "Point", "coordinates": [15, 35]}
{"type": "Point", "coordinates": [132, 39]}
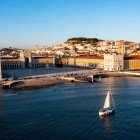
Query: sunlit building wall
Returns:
{"type": "Point", "coordinates": [113, 62]}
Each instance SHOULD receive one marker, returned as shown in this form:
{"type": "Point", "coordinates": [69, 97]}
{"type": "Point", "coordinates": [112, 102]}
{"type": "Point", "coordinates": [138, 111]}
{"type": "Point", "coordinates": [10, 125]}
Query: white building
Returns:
{"type": "Point", "coordinates": [80, 47]}
{"type": "Point", "coordinates": [103, 48]}
{"type": "Point", "coordinates": [113, 62]}
{"type": "Point", "coordinates": [60, 52]}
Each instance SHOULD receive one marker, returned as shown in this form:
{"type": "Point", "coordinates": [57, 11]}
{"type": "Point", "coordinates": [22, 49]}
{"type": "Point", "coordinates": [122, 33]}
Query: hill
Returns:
{"type": "Point", "coordinates": [83, 40]}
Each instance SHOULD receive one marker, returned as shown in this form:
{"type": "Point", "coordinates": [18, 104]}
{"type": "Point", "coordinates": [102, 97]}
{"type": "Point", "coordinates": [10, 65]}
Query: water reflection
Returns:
{"type": "Point", "coordinates": [107, 125]}
{"type": "Point", "coordinates": [36, 71]}
{"type": "Point", "coordinates": [1, 101]}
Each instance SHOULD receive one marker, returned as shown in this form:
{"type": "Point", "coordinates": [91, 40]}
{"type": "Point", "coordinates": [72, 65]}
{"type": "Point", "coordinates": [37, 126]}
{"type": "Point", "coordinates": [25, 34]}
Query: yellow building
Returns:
{"type": "Point", "coordinates": [121, 49]}
{"type": "Point", "coordinates": [39, 61]}
{"type": "Point", "coordinates": [95, 61]}
{"type": "Point", "coordinates": [132, 62]}
{"type": "Point", "coordinates": [83, 61]}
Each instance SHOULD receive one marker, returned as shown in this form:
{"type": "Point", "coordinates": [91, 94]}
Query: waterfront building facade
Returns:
{"type": "Point", "coordinates": [113, 62]}
{"type": "Point", "coordinates": [11, 62]}
{"type": "Point", "coordinates": [132, 62]}
{"type": "Point", "coordinates": [110, 62]}
{"type": "Point", "coordinates": [90, 61]}
{"type": "Point", "coordinates": [42, 61]}
{"type": "Point", "coordinates": [83, 61]}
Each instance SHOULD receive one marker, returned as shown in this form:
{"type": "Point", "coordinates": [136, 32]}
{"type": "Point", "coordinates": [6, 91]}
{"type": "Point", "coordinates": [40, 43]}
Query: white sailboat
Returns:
{"type": "Point", "coordinates": [108, 107]}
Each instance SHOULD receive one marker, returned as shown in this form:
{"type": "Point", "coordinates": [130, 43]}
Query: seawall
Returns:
{"type": "Point", "coordinates": [36, 83]}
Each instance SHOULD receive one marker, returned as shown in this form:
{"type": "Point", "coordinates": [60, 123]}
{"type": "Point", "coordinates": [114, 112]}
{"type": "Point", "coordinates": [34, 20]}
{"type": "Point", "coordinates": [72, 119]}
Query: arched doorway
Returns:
{"type": "Point", "coordinates": [26, 62]}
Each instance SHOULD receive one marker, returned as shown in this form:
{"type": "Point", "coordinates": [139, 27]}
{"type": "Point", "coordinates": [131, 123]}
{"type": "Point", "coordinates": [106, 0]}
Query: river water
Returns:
{"type": "Point", "coordinates": [70, 112]}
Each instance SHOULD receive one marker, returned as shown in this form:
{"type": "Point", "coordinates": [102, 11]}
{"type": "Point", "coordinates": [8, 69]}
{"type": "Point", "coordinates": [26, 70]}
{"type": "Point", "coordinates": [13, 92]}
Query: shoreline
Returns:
{"type": "Point", "coordinates": [57, 78]}
{"type": "Point", "coordinates": [36, 83]}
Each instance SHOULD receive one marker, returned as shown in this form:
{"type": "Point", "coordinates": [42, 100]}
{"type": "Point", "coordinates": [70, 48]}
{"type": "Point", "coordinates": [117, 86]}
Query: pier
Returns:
{"type": "Point", "coordinates": [78, 76]}
{"type": "Point", "coordinates": [38, 81]}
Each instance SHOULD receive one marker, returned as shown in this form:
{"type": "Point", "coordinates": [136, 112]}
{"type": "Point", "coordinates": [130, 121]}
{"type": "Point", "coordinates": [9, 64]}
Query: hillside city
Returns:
{"type": "Point", "coordinates": [95, 53]}
{"type": "Point", "coordinates": [80, 46]}
{"type": "Point", "coordinates": [83, 46]}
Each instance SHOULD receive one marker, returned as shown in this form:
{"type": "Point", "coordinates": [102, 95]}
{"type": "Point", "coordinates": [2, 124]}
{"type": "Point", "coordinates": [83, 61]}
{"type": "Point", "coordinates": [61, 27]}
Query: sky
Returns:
{"type": "Point", "coordinates": [26, 23]}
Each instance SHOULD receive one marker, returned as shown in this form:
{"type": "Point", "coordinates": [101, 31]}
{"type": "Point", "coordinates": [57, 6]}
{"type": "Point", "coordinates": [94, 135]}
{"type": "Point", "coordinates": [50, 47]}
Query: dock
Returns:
{"type": "Point", "coordinates": [39, 81]}
{"type": "Point", "coordinates": [79, 76]}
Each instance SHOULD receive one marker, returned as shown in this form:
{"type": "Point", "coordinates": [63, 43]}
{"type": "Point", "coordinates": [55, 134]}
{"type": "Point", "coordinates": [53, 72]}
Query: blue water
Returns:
{"type": "Point", "coordinates": [70, 112]}
{"type": "Point", "coordinates": [36, 71]}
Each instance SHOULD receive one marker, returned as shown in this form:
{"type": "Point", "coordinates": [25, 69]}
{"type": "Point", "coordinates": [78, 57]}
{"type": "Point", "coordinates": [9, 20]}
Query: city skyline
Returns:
{"type": "Point", "coordinates": [26, 23]}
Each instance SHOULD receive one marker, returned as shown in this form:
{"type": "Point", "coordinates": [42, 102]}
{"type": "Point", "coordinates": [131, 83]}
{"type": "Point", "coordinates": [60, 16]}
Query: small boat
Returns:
{"type": "Point", "coordinates": [108, 107]}
{"type": "Point", "coordinates": [47, 67]}
{"type": "Point", "coordinates": [92, 79]}
{"type": "Point", "coordinates": [100, 79]}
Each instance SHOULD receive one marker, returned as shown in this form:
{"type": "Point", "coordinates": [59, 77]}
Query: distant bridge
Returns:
{"type": "Point", "coordinates": [90, 73]}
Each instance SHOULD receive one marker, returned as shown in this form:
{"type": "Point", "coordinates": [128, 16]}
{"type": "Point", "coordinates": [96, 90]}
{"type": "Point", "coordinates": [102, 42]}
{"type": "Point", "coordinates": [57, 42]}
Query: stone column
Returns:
{"type": "Point", "coordinates": [22, 59]}
{"type": "Point", "coordinates": [54, 60]}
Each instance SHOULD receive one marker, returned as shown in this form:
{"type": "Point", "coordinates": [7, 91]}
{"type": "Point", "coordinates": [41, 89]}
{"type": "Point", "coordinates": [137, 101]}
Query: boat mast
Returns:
{"type": "Point", "coordinates": [112, 98]}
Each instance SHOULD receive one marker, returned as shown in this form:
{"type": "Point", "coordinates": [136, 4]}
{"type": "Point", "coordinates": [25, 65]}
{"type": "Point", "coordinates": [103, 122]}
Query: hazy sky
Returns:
{"type": "Point", "coordinates": [29, 22]}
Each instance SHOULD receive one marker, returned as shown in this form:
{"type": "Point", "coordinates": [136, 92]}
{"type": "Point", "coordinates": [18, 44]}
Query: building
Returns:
{"type": "Point", "coordinates": [132, 62]}
{"type": "Point", "coordinates": [113, 62]}
{"type": "Point", "coordinates": [42, 61]}
{"type": "Point", "coordinates": [11, 62]}
{"type": "Point", "coordinates": [84, 61]}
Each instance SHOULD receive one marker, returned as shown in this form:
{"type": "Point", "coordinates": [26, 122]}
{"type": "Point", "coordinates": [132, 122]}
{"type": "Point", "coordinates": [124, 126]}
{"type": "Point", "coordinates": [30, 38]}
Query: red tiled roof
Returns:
{"type": "Point", "coordinates": [42, 56]}
{"type": "Point", "coordinates": [90, 57]}
{"type": "Point", "coordinates": [135, 57]}
{"type": "Point", "coordinates": [9, 57]}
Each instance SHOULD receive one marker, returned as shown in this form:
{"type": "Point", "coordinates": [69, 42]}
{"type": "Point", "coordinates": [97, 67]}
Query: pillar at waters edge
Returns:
{"type": "Point", "coordinates": [0, 70]}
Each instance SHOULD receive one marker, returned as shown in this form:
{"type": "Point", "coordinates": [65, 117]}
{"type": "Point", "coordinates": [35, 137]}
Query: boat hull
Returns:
{"type": "Point", "coordinates": [106, 112]}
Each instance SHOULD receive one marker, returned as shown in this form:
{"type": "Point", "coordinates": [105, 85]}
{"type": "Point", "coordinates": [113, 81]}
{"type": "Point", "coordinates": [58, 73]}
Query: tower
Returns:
{"type": "Point", "coordinates": [22, 59]}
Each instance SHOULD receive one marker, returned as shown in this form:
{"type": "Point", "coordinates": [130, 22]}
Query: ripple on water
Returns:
{"type": "Point", "coordinates": [70, 111]}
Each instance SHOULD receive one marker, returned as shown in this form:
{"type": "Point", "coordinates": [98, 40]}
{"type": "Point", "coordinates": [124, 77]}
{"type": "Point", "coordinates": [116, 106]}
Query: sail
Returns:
{"type": "Point", "coordinates": [107, 101]}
